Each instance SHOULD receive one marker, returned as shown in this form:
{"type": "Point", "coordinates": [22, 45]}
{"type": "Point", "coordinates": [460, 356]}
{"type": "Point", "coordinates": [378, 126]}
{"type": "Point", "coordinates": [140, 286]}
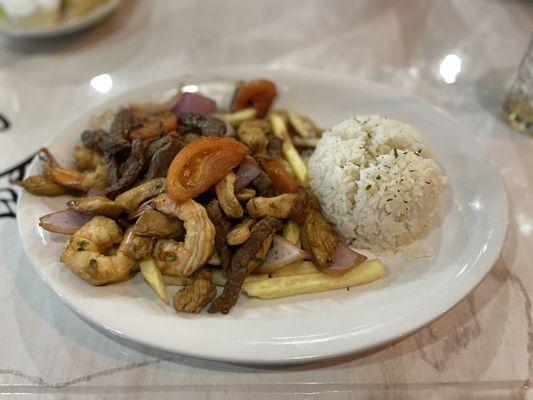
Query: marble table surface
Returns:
{"type": "Point", "coordinates": [482, 348]}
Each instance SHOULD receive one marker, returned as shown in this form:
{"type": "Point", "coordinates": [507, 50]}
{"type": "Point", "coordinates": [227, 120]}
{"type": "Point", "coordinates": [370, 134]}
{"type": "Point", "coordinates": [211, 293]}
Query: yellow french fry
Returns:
{"type": "Point", "coordinates": [218, 279]}
{"type": "Point", "coordinates": [282, 286]}
{"type": "Point", "coordinates": [291, 232]}
{"type": "Point", "coordinates": [298, 123]}
{"type": "Point", "coordinates": [153, 276]}
{"type": "Point", "coordinates": [238, 117]}
{"type": "Point", "coordinates": [279, 128]}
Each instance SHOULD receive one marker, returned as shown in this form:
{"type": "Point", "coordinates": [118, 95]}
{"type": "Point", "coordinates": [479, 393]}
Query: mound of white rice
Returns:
{"type": "Point", "coordinates": [377, 181]}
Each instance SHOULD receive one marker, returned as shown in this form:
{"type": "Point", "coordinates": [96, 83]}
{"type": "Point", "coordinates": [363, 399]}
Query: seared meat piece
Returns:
{"type": "Point", "coordinates": [263, 185]}
{"type": "Point", "coordinates": [222, 227]}
{"type": "Point", "coordinates": [115, 146]}
{"type": "Point", "coordinates": [134, 165]}
{"type": "Point", "coordinates": [195, 295]}
{"type": "Point", "coordinates": [260, 232]}
{"type": "Point", "coordinates": [203, 124]}
{"type": "Point", "coordinates": [93, 139]}
{"type": "Point", "coordinates": [274, 146]}
{"type": "Point", "coordinates": [112, 171]}
{"type": "Point", "coordinates": [123, 123]}
{"type": "Point", "coordinates": [167, 147]}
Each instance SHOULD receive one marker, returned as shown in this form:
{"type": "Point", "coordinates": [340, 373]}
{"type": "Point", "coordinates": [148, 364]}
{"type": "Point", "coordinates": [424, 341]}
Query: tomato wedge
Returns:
{"type": "Point", "coordinates": [258, 94]}
{"type": "Point", "coordinates": [155, 128]}
{"type": "Point", "coordinates": [281, 179]}
{"type": "Point", "coordinates": [201, 164]}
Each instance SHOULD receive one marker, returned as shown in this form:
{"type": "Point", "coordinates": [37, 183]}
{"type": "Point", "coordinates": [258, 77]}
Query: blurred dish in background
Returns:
{"type": "Point", "coordinates": [48, 18]}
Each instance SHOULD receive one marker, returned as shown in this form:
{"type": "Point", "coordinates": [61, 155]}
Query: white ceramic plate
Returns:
{"type": "Point", "coordinates": [314, 326]}
{"type": "Point", "coordinates": [70, 26]}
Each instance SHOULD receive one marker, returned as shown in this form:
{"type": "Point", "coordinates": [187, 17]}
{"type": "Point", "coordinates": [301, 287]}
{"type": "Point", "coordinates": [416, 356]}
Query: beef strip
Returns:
{"type": "Point", "coordinates": [169, 146]}
{"type": "Point", "coordinates": [203, 124]}
{"type": "Point", "coordinates": [134, 165]}
{"type": "Point", "coordinates": [239, 264]}
{"type": "Point", "coordinates": [93, 139]}
{"type": "Point", "coordinates": [123, 123]}
{"type": "Point", "coordinates": [263, 185]}
{"type": "Point", "coordinates": [274, 146]}
{"type": "Point", "coordinates": [222, 227]}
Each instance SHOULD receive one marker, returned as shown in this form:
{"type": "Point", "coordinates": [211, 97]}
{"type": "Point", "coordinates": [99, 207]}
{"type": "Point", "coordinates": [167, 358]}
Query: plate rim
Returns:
{"type": "Point", "coordinates": [70, 26]}
{"type": "Point", "coordinates": [488, 258]}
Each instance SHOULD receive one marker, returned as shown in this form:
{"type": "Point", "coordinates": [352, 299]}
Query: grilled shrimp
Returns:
{"type": "Point", "coordinates": [183, 258]}
{"type": "Point", "coordinates": [96, 177]}
{"type": "Point", "coordinates": [87, 253]}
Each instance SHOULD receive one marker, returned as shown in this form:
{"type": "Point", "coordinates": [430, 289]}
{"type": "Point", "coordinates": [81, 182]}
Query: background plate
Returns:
{"type": "Point", "coordinates": [314, 326]}
{"type": "Point", "coordinates": [70, 26]}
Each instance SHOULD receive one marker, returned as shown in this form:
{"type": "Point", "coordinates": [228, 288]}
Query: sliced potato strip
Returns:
{"type": "Point", "coordinates": [279, 128]}
{"type": "Point", "coordinates": [218, 279]}
{"type": "Point", "coordinates": [238, 117]}
{"type": "Point", "coordinates": [153, 276]}
{"type": "Point", "coordinates": [291, 232]}
{"type": "Point", "coordinates": [282, 286]}
{"type": "Point", "coordinates": [298, 123]}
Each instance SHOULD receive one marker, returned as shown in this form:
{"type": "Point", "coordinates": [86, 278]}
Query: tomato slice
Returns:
{"type": "Point", "coordinates": [281, 179]}
{"type": "Point", "coordinates": [201, 164]}
{"type": "Point", "coordinates": [258, 94]}
{"type": "Point", "coordinates": [155, 128]}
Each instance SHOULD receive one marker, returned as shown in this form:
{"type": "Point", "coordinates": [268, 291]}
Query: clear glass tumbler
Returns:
{"type": "Point", "coordinates": [518, 107]}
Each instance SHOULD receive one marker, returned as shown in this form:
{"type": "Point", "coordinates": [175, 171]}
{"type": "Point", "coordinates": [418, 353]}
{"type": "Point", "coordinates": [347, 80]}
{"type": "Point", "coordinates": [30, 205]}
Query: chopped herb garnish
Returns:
{"type": "Point", "coordinates": [170, 258]}
{"type": "Point", "coordinates": [82, 244]}
{"type": "Point", "coordinates": [348, 288]}
{"type": "Point", "coordinates": [389, 199]}
{"type": "Point", "coordinates": [368, 187]}
{"type": "Point", "coordinates": [405, 201]}
{"type": "Point", "coordinates": [429, 183]}
{"type": "Point", "coordinates": [412, 170]}
{"type": "Point", "coordinates": [395, 153]}
{"type": "Point", "coordinates": [378, 177]}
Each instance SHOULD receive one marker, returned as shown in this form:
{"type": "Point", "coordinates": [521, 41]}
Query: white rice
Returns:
{"type": "Point", "coordinates": [377, 181]}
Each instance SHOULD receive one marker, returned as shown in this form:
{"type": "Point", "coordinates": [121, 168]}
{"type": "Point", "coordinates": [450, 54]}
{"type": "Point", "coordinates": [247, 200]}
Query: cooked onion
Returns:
{"type": "Point", "coordinates": [195, 103]}
{"type": "Point", "coordinates": [281, 253]}
{"type": "Point", "coordinates": [343, 260]}
{"type": "Point", "coordinates": [66, 221]}
{"type": "Point", "coordinates": [247, 172]}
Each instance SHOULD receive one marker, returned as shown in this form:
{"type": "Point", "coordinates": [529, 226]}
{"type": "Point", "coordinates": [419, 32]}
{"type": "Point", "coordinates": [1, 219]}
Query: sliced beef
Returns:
{"type": "Point", "coordinates": [123, 123]}
{"type": "Point", "coordinates": [263, 185]}
{"type": "Point", "coordinates": [93, 139]}
{"type": "Point", "coordinates": [239, 264]}
{"type": "Point", "coordinates": [222, 227]}
{"type": "Point", "coordinates": [202, 124]}
{"type": "Point", "coordinates": [167, 148]}
{"type": "Point", "coordinates": [133, 167]}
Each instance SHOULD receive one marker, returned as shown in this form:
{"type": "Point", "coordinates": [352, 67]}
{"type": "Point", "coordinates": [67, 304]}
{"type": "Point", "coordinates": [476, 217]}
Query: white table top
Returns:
{"type": "Point", "coordinates": [482, 348]}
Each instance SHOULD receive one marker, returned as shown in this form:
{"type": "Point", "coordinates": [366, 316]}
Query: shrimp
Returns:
{"type": "Point", "coordinates": [94, 178]}
{"type": "Point", "coordinates": [89, 252]}
{"type": "Point", "coordinates": [183, 258]}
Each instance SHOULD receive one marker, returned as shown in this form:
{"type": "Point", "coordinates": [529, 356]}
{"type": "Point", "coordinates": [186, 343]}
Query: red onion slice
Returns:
{"type": "Point", "coordinates": [343, 260]}
{"type": "Point", "coordinates": [247, 172]}
{"type": "Point", "coordinates": [66, 222]}
{"type": "Point", "coordinates": [195, 103]}
{"type": "Point", "coordinates": [281, 253]}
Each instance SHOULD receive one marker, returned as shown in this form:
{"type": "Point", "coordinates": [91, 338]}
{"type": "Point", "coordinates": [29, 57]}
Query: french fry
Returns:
{"type": "Point", "coordinates": [297, 268]}
{"type": "Point", "coordinates": [175, 280]}
{"type": "Point", "coordinates": [279, 128]}
{"type": "Point", "coordinates": [283, 286]}
{"type": "Point", "coordinates": [298, 123]}
{"type": "Point", "coordinates": [238, 117]}
{"type": "Point", "coordinates": [218, 279]}
{"type": "Point", "coordinates": [152, 275]}
{"type": "Point", "coordinates": [291, 232]}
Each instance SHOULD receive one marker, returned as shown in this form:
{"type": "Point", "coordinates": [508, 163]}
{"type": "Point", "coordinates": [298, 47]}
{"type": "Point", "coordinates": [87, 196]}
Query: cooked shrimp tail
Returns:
{"type": "Point", "coordinates": [88, 253]}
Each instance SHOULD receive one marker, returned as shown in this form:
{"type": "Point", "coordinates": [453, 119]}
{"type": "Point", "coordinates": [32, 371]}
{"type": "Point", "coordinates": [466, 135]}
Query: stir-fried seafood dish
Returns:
{"type": "Point", "coordinates": [196, 196]}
